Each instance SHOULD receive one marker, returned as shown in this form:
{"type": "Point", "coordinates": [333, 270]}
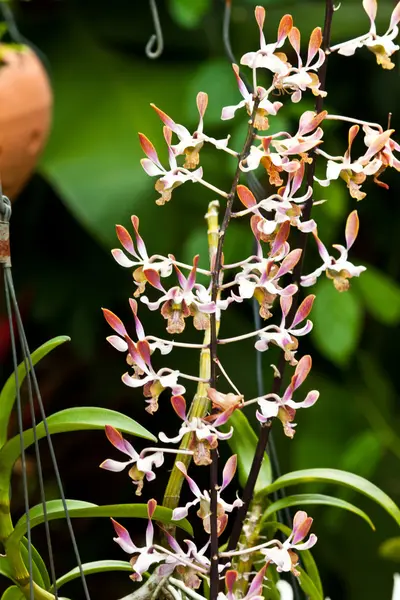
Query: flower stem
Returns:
{"type": "Point", "coordinates": [215, 290]}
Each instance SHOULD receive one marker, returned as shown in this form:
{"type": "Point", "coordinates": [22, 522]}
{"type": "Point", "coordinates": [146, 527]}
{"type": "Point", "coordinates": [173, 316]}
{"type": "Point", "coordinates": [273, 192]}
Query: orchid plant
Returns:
{"type": "Point", "coordinates": [241, 549]}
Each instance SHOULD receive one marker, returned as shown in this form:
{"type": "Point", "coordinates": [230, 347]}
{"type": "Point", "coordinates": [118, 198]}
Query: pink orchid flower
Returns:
{"type": "Point", "coordinates": [205, 436]}
{"type": "Point", "coordinates": [142, 467]}
{"type": "Point", "coordinates": [285, 408]}
{"type": "Point", "coordinates": [340, 270]}
{"type": "Point", "coordinates": [355, 172]}
{"type": "Point", "coordinates": [146, 555]}
{"type": "Point", "coordinates": [286, 337]}
{"type": "Point", "coordinates": [170, 179]}
{"type": "Point", "coordinates": [153, 382]}
{"type": "Point", "coordinates": [141, 260]}
{"type": "Point", "coordinates": [267, 57]}
{"type": "Point", "coordinates": [381, 45]}
{"type": "Point", "coordinates": [120, 343]}
{"type": "Point", "coordinates": [283, 556]}
{"type": "Point", "coordinates": [191, 144]}
{"type": "Point", "coordinates": [203, 498]}
{"type": "Point", "coordinates": [265, 106]}
{"type": "Point", "coordinates": [302, 77]}
{"type": "Point", "coordinates": [179, 302]}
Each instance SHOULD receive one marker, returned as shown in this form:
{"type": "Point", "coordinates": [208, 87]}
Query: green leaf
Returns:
{"type": "Point", "coordinates": [337, 318]}
{"type": "Point", "coordinates": [13, 593]}
{"type": "Point", "coordinates": [390, 549]}
{"type": "Point", "coordinates": [39, 571]}
{"type": "Point", "coordinates": [308, 586]}
{"type": "Point", "coordinates": [8, 393]}
{"type": "Point", "coordinates": [380, 294]}
{"type": "Point", "coordinates": [302, 499]}
{"type": "Point", "coordinates": [336, 476]}
{"type": "Point", "coordinates": [98, 566]}
{"type": "Point", "coordinates": [188, 14]}
{"type": "Point", "coordinates": [80, 509]}
{"type": "Point", "coordinates": [243, 443]}
{"type": "Point", "coordinates": [72, 419]}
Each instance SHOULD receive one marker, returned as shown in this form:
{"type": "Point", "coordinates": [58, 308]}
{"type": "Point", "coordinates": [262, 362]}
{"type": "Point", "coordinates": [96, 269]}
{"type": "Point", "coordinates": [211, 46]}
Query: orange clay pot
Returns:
{"type": "Point", "coordinates": [25, 116]}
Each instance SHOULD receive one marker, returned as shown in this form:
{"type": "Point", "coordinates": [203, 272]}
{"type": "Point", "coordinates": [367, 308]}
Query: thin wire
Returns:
{"type": "Point", "coordinates": [20, 427]}
{"type": "Point", "coordinates": [40, 473]}
{"type": "Point", "coordinates": [24, 344]}
{"type": "Point", "coordinates": [157, 37]}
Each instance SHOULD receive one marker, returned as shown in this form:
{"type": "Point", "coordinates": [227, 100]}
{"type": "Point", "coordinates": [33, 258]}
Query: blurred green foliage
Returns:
{"type": "Point", "coordinates": [90, 178]}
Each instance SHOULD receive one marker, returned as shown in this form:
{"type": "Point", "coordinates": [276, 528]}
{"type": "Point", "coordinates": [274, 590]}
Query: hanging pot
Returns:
{"type": "Point", "coordinates": [25, 116]}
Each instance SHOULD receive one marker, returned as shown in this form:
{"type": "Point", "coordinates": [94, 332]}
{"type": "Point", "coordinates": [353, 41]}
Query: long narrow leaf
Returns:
{"type": "Point", "coordinates": [336, 476]}
{"type": "Point", "coordinates": [72, 419]}
{"type": "Point", "coordinates": [8, 393]}
{"type": "Point", "coordinates": [79, 509]}
{"type": "Point", "coordinates": [302, 499]}
{"type": "Point", "coordinates": [98, 566]}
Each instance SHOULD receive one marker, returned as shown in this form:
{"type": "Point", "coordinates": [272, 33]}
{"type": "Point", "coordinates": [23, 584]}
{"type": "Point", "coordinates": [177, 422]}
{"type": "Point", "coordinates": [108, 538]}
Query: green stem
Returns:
{"type": "Point", "coordinates": [200, 402]}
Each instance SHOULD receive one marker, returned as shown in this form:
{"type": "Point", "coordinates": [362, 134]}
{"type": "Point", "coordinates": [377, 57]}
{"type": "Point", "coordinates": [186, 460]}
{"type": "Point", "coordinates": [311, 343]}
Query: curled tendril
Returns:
{"type": "Point", "coordinates": [157, 37]}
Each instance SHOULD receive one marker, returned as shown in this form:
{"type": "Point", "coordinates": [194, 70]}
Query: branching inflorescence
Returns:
{"type": "Point", "coordinates": [287, 158]}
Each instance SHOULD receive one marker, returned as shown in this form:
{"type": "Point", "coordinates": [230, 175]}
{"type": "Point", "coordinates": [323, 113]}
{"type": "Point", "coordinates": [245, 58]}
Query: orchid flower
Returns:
{"type": "Point", "coordinates": [147, 555]}
{"type": "Point", "coordinates": [284, 556]}
{"type": "Point", "coordinates": [382, 46]}
{"type": "Point", "coordinates": [284, 205]}
{"type": "Point", "coordinates": [265, 106]}
{"type": "Point", "coordinates": [255, 591]}
{"type": "Point", "coordinates": [189, 298]}
{"type": "Point", "coordinates": [267, 57]}
{"type": "Point", "coordinates": [188, 564]}
{"type": "Point", "coordinates": [170, 179]}
{"type": "Point", "coordinates": [272, 161]}
{"type": "Point", "coordinates": [190, 145]}
{"type": "Point", "coordinates": [162, 265]}
{"type": "Point", "coordinates": [120, 343]}
{"type": "Point", "coordinates": [142, 467]}
{"type": "Point", "coordinates": [353, 173]}
{"type": "Point", "coordinates": [265, 287]}
{"type": "Point", "coordinates": [380, 150]}
{"type": "Point", "coordinates": [153, 382]}
{"type": "Point", "coordinates": [302, 77]}
{"type": "Point", "coordinates": [203, 498]}
{"type": "Point", "coordinates": [285, 408]}
{"type": "Point", "coordinates": [274, 153]}
{"type": "Point", "coordinates": [286, 338]}
{"type": "Point", "coordinates": [205, 436]}
{"type": "Point", "coordinates": [339, 270]}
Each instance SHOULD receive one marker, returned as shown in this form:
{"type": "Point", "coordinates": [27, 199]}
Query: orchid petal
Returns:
{"type": "Point", "coordinates": [229, 471]}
